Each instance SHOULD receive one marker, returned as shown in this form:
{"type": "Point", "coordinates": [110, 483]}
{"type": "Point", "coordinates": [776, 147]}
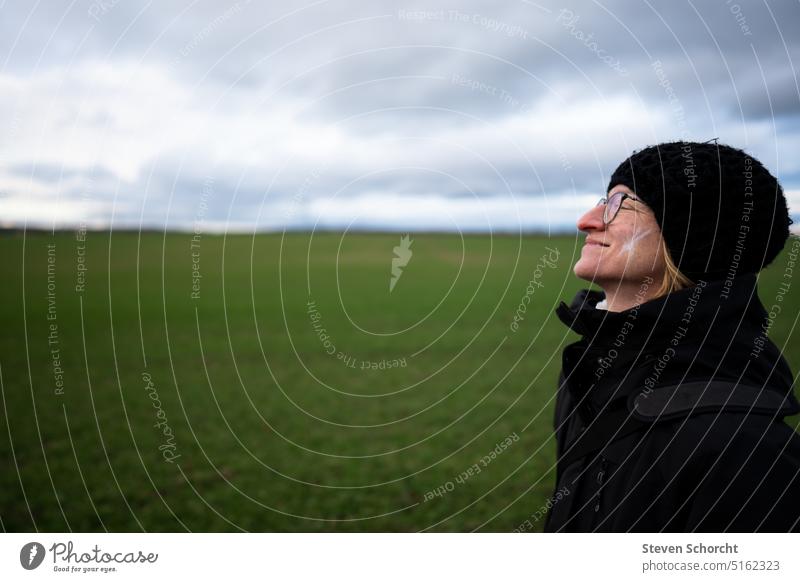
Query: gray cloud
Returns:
{"type": "Point", "coordinates": [419, 99]}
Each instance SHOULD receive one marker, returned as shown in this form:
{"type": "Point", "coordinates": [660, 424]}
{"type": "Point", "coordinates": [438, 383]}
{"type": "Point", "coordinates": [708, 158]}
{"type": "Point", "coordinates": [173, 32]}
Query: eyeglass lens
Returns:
{"type": "Point", "coordinates": [612, 207]}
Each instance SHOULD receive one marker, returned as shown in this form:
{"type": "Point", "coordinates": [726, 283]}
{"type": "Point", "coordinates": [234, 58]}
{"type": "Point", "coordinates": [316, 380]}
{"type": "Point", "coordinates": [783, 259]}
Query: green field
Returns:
{"type": "Point", "coordinates": [265, 429]}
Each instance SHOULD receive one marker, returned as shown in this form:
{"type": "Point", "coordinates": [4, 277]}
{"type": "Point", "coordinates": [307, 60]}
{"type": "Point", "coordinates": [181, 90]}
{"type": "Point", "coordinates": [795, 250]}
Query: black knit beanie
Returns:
{"type": "Point", "coordinates": [720, 211]}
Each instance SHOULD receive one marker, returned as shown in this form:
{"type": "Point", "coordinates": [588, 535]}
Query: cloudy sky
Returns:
{"type": "Point", "coordinates": [471, 116]}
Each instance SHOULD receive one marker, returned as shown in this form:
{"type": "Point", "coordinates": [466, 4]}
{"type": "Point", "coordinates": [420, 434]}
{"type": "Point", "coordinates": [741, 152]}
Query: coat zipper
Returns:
{"type": "Point", "coordinates": [600, 480]}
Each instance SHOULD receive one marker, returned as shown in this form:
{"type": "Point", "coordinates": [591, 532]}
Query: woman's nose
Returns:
{"type": "Point", "coordinates": [592, 220]}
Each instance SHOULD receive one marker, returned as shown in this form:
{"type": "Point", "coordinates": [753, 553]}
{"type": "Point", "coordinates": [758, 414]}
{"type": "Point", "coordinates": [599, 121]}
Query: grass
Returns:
{"type": "Point", "coordinates": [267, 430]}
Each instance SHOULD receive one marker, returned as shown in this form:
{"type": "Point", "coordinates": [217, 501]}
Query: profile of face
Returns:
{"type": "Point", "coordinates": [624, 252]}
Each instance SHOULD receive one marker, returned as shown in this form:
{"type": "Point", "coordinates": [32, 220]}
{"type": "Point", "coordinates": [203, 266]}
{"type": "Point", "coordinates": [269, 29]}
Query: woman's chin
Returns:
{"type": "Point", "coordinates": [585, 271]}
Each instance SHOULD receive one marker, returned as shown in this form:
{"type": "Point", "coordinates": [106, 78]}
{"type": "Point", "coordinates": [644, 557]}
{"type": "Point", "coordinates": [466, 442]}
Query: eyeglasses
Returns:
{"type": "Point", "coordinates": [612, 205]}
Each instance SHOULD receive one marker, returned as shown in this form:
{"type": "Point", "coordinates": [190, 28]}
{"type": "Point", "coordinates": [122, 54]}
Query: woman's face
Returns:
{"type": "Point", "coordinates": [623, 252]}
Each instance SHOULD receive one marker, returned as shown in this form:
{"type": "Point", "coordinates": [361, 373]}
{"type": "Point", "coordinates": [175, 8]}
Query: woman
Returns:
{"type": "Point", "coordinates": [669, 413]}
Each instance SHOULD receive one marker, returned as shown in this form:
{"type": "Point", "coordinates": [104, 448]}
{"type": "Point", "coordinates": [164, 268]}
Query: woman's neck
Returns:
{"type": "Point", "coordinates": [624, 295]}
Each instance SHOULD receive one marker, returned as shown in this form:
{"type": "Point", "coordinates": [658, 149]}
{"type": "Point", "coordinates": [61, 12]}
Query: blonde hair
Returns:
{"type": "Point", "coordinates": [673, 279]}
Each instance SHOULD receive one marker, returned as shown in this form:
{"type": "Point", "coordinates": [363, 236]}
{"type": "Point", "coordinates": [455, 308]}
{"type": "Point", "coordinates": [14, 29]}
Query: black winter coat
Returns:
{"type": "Point", "coordinates": [669, 417]}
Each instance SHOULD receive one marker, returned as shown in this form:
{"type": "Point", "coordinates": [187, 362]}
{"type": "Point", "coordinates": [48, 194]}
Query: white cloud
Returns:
{"type": "Point", "coordinates": [363, 98]}
{"type": "Point", "coordinates": [16, 211]}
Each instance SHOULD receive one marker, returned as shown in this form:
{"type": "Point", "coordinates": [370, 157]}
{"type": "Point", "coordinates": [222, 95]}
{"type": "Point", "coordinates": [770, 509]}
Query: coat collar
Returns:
{"type": "Point", "coordinates": [732, 304]}
{"type": "Point", "coordinates": [718, 320]}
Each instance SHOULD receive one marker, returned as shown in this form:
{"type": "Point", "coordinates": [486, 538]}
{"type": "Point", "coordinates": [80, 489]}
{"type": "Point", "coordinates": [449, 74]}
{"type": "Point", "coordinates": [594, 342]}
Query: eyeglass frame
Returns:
{"type": "Point", "coordinates": [604, 200]}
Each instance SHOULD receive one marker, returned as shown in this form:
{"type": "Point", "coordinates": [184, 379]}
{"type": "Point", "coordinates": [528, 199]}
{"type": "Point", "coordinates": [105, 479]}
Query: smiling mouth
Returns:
{"type": "Point", "coordinates": [595, 243]}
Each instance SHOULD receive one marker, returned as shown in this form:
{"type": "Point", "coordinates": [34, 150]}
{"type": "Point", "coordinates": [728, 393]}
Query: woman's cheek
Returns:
{"type": "Point", "coordinates": [637, 241]}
